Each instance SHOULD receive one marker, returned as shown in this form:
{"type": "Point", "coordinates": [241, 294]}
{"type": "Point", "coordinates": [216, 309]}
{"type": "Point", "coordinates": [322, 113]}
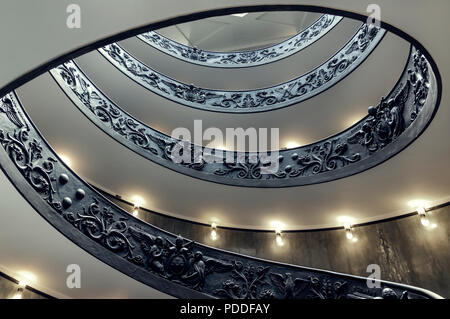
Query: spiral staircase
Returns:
{"type": "Point", "coordinates": [91, 174]}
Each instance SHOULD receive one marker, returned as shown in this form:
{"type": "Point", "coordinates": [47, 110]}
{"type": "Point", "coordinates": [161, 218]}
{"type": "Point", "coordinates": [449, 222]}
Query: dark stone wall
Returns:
{"type": "Point", "coordinates": [8, 289]}
{"type": "Point", "coordinates": [406, 251]}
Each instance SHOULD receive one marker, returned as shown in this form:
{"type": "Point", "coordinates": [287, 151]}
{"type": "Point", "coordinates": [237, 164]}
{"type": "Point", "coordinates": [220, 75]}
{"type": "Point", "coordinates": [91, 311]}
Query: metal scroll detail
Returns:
{"type": "Point", "coordinates": [354, 150]}
{"type": "Point", "coordinates": [271, 98]}
{"type": "Point", "coordinates": [241, 59]}
{"type": "Point", "coordinates": [162, 260]}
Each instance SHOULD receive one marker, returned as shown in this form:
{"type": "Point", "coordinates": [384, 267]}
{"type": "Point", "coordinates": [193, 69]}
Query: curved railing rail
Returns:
{"type": "Point", "coordinates": [291, 92]}
{"type": "Point", "coordinates": [388, 128]}
{"type": "Point", "coordinates": [155, 257]}
{"type": "Point", "coordinates": [241, 59]}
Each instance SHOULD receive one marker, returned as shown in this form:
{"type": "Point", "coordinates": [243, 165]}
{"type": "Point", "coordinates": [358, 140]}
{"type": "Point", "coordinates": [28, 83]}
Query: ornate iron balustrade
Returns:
{"type": "Point", "coordinates": [388, 128]}
{"type": "Point", "coordinates": [157, 258]}
{"type": "Point", "coordinates": [240, 59]}
{"type": "Point", "coordinates": [294, 91]}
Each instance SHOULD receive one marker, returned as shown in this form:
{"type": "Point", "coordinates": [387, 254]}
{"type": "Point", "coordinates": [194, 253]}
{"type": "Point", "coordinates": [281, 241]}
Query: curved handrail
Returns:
{"type": "Point", "coordinates": [243, 59]}
{"type": "Point", "coordinates": [291, 92]}
{"type": "Point", "coordinates": [155, 257]}
{"type": "Point", "coordinates": [386, 130]}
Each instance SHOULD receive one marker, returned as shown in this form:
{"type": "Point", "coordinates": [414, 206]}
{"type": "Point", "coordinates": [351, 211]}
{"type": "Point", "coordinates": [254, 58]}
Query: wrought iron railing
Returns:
{"type": "Point", "coordinates": [347, 59]}
{"type": "Point", "coordinates": [388, 128]}
{"type": "Point", "coordinates": [155, 257]}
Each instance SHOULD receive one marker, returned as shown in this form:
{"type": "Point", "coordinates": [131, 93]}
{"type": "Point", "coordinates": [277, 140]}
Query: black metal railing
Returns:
{"type": "Point", "coordinates": [337, 67]}
{"type": "Point", "coordinates": [249, 58]}
{"type": "Point", "coordinates": [388, 128]}
{"type": "Point", "coordinates": [169, 263]}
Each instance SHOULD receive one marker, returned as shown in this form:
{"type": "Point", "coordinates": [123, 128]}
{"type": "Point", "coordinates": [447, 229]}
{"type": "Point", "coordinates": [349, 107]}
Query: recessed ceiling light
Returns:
{"type": "Point", "coordinates": [240, 15]}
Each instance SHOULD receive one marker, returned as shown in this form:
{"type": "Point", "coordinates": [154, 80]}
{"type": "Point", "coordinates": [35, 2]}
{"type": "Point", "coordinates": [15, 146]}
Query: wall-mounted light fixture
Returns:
{"type": "Point", "coordinates": [278, 227]}
{"type": "Point", "coordinates": [20, 288]}
{"type": "Point", "coordinates": [135, 211]}
{"type": "Point", "coordinates": [213, 231]}
{"type": "Point", "coordinates": [279, 238]}
{"type": "Point", "coordinates": [348, 221]}
{"type": "Point", "coordinates": [292, 144]}
{"type": "Point", "coordinates": [349, 233]}
{"type": "Point", "coordinates": [137, 201]}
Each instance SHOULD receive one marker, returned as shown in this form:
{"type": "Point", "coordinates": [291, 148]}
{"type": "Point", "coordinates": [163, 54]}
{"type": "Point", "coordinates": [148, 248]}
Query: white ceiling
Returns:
{"type": "Point", "coordinates": [232, 33]}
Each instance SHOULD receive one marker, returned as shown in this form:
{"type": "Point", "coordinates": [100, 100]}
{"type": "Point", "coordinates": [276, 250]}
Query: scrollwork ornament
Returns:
{"type": "Point", "coordinates": [247, 282]}
{"type": "Point", "coordinates": [181, 266]}
{"type": "Point", "coordinates": [383, 125]}
{"type": "Point", "coordinates": [26, 154]}
{"type": "Point", "coordinates": [244, 58]}
{"type": "Point", "coordinates": [281, 95]}
{"type": "Point", "coordinates": [102, 226]}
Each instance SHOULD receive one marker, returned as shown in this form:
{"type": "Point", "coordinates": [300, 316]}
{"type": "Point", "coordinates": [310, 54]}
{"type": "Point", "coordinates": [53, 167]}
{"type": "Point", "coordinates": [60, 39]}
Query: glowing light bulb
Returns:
{"type": "Point", "coordinates": [213, 231]}
{"type": "Point", "coordinates": [424, 220]}
{"type": "Point", "coordinates": [349, 230]}
{"type": "Point", "coordinates": [135, 211]}
{"type": "Point", "coordinates": [138, 201]}
{"type": "Point", "coordinates": [348, 233]}
{"type": "Point", "coordinates": [421, 210]}
{"type": "Point", "coordinates": [23, 283]}
{"type": "Point", "coordinates": [279, 239]}
{"type": "Point", "coordinates": [17, 295]}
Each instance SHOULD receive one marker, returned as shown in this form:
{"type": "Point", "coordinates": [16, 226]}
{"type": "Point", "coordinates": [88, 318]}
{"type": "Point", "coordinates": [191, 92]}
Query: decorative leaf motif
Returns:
{"type": "Point", "coordinates": [384, 123]}
{"type": "Point", "coordinates": [204, 269]}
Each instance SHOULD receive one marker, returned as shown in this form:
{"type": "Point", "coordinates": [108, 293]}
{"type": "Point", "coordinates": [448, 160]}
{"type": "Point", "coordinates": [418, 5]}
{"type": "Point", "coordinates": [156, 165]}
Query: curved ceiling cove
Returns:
{"type": "Point", "coordinates": [294, 91]}
{"type": "Point", "coordinates": [180, 267]}
{"type": "Point", "coordinates": [389, 127]}
{"type": "Point", "coordinates": [248, 58]}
